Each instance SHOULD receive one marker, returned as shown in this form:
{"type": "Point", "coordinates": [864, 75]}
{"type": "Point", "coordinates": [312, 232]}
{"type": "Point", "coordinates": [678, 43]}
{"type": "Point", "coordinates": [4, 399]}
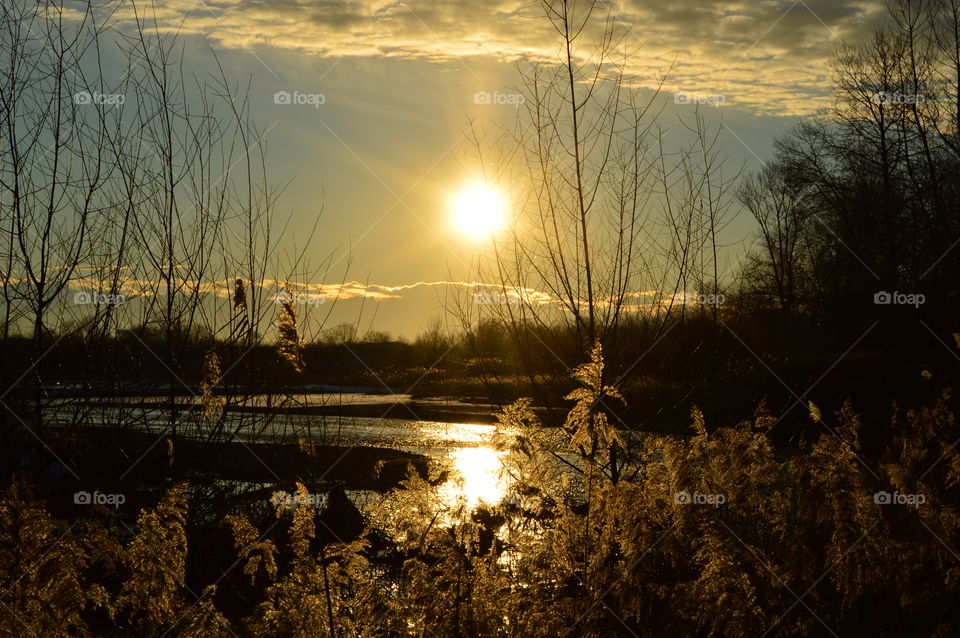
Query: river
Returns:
{"type": "Point", "coordinates": [468, 450]}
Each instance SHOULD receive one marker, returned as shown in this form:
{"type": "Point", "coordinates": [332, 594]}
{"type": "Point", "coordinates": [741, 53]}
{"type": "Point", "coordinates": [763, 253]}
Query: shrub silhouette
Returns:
{"type": "Point", "coordinates": [710, 533]}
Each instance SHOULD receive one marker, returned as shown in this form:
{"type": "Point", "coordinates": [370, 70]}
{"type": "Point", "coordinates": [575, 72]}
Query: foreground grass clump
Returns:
{"type": "Point", "coordinates": [709, 534]}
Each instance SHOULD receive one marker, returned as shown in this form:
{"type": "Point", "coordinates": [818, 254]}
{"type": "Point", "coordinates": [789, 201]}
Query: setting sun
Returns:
{"type": "Point", "coordinates": [479, 210]}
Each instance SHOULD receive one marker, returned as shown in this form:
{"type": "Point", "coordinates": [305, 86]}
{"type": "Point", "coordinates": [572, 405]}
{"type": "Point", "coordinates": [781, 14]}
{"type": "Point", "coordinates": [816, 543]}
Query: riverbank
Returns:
{"type": "Point", "coordinates": [125, 460]}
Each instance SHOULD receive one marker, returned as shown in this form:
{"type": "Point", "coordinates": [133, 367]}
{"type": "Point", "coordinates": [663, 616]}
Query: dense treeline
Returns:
{"type": "Point", "coordinates": [864, 198]}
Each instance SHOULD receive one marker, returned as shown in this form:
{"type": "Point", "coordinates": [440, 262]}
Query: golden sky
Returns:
{"type": "Point", "coordinates": [379, 97]}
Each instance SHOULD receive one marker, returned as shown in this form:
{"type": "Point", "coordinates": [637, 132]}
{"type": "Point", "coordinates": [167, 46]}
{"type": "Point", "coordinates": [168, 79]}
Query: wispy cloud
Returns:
{"type": "Point", "coordinates": [481, 293]}
{"type": "Point", "coordinates": [769, 56]}
{"type": "Point", "coordinates": [133, 287]}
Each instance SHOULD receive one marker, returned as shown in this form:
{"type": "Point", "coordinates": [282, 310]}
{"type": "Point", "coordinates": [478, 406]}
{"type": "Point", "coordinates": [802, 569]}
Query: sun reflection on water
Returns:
{"type": "Point", "coordinates": [476, 477]}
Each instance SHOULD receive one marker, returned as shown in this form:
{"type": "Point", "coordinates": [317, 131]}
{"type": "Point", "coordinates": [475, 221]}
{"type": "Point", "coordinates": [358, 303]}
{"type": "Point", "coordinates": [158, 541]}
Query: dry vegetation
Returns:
{"type": "Point", "coordinates": [796, 546]}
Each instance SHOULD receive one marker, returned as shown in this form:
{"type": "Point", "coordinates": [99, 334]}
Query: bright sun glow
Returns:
{"type": "Point", "coordinates": [479, 211]}
{"type": "Point", "coordinates": [477, 477]}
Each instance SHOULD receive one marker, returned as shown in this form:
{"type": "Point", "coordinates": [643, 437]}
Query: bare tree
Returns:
{"type": "Point", "coordinates": [56, 160]}
{"type": "Point", "coordinates": [583, 217]}
{"type": "Point", "coordinates": [778, 207]}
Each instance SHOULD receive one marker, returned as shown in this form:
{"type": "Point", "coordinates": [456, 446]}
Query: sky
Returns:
{"type": "Point", "coordinates": [365, 107]}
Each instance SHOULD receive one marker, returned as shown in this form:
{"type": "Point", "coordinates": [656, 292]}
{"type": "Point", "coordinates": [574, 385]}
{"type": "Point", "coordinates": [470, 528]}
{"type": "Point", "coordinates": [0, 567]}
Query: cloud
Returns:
{"type": "Point", "coordinates": [633, 301]}
{"type": "Point", "coordinates": [381, 292]}
{"type": "Point", "coordinates": [476, 293]}
{"type": "Point", "coordinates": [769, 56]}
{"type": "Point", "coordinates": [133, 287]}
